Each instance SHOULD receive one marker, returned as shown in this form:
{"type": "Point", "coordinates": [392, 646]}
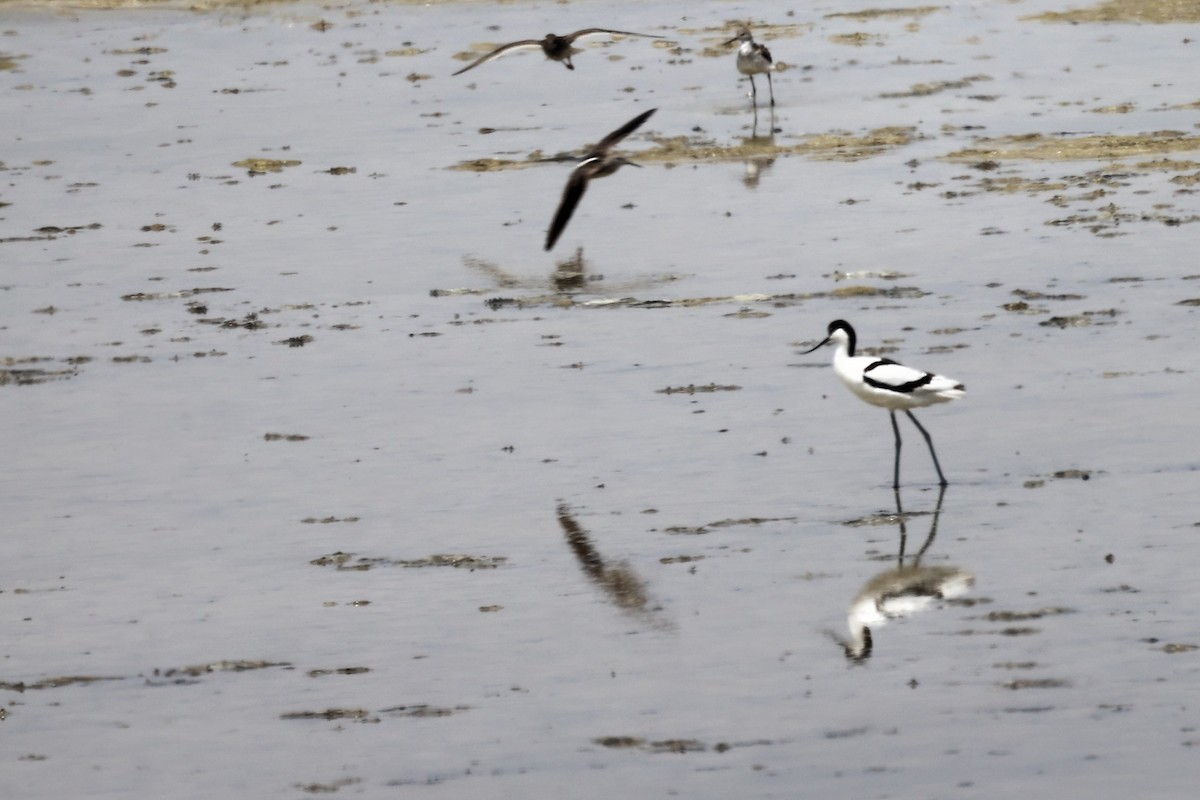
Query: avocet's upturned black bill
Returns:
{"type": "Point", "coordinates": [598, 163]}
{"type": "Point", "coordinates": [556, 48]}
{"type": "Point", "coordinates": [754, 59]}
{"type": "Point", "coordinates": [884, 383]}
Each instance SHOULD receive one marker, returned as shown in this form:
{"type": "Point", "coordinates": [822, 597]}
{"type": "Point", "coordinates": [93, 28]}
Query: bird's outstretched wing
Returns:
{"type": "Point", "coordinates": [499, 51]}
{"type": "Point", "coordinates": [598, 31]}
{"type": "Point", "coordinates": [576, 186]}
{"type": "Point", "coordinates": [620, 133]}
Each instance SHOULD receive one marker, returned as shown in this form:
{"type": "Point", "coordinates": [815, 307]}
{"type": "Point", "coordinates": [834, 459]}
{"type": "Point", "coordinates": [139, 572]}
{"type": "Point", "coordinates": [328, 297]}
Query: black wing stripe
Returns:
{"type": "Point", "coordinates": [903, 388]}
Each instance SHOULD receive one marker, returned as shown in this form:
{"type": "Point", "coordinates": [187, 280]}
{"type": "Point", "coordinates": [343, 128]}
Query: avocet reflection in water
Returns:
{"type": "Point", "coordinates": [904, 590]}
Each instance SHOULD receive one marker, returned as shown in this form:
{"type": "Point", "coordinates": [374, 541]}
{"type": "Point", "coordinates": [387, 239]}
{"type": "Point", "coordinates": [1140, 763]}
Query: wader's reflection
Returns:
{"type": "Point", "coordinates": [904, 590]}
{"type": "Point", "coordinates": [623, 587]}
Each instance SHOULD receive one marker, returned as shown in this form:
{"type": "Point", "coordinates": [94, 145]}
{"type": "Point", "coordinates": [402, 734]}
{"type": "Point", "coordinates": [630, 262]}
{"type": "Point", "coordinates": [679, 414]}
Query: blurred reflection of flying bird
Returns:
{"type": "Point", "coordinates": [598, 163]}
{"type": "Point", "coordinates": [900, 592]}
{"type": "Point", "coordinates": [556, 48]}
{"type": "Point", "coordinates": [570, 276]}
{"type": "Point", "coordinates": [622, 585]}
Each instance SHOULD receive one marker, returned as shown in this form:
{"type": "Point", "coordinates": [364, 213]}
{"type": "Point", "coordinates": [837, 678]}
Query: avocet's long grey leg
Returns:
{"type": "Point", "coordinates": [928, 440]}
{"type": "Point", "coordinates": [896, 430]}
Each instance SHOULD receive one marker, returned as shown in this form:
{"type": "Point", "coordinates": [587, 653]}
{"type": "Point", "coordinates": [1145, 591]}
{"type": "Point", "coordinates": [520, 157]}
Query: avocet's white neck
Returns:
{"type": "Point", "coordinates": [843, 344]}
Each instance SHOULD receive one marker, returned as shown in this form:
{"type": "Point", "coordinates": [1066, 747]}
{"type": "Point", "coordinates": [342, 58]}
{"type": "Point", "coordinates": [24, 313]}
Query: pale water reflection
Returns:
{"type": "Point", "coordinates": [903, 590]}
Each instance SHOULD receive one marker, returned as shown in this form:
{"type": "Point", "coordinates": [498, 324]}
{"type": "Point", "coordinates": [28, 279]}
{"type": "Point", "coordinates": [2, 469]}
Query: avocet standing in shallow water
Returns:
{"type": "Point", "coordinates": [884, 383]}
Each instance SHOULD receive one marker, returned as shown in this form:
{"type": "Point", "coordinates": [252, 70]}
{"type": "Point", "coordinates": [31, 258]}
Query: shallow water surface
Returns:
{"type": "Point", "coordinates": [323, 477]}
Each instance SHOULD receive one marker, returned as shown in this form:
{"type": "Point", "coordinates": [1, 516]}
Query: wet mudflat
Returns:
{"type": "Point", "coordinates": [322, 477]}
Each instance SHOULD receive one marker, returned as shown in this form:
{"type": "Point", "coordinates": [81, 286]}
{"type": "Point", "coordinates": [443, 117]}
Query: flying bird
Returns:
{"type": "Point", "coordinates": [754, 59]}
{"type": "Point", "coordinates": [598, 163]}
{"type": "Point", "coordinates": [556, 48]}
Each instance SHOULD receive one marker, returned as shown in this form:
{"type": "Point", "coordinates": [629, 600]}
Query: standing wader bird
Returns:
{"type": "Point", "coordinates": [884, 383]}
{"type": "Point", "coordinates": [754, 59]}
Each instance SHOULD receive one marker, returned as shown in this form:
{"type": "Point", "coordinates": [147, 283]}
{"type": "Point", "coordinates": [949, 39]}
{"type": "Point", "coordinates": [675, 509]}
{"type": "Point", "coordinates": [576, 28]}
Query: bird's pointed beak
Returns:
{"type": "Point", "coordinates": [824, 342]}
{"type": "Point", "coordinates": [731, 41]}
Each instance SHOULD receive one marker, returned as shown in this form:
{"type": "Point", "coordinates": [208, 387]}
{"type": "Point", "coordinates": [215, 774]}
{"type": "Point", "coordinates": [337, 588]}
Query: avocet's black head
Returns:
{"type": "Point", "coordinates": [858, 654]}
{"type": "Point", "coordinates": [859, 649]}
{"type": "Point", "coordinates": [839, 328]}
